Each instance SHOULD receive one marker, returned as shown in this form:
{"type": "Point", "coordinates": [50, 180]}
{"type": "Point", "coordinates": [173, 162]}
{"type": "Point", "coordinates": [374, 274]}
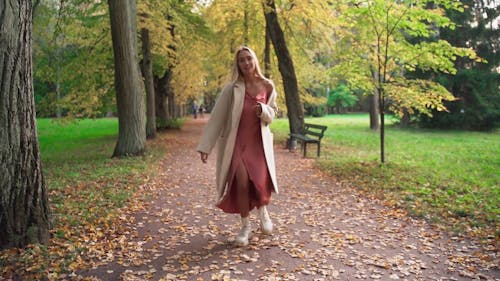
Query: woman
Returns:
{"type": "Point", "coordinates": [239, 124]}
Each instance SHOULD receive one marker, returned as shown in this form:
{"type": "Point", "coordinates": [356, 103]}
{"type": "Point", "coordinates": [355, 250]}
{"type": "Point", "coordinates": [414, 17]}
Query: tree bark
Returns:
{"type": "Point", "coordinates": [172, 106]}
{"type": "Point", "coordinates": [161, 94]}
{"type": "Point", "coordinates": [129, 96]}
{"type": "Point", "coordinates": [286, 68]}
{"type": "Point", "coordinates": [165, 96]}
{"type": "Point", "coordinates": [405, 119]}
{"type": "Point", "coordinates": [381, 103]}
{"type": "Point", "coordinates": [374, 105]}
{"type": "Point", "coordinates": [267, 53]}
{"type": "Point", "coordinates": [171, 64]}
{"type": "Point", "coordinates": [147, 73]}
{"type": "Point", "coordinates": [374, 112]}
{"type": "Point", "coordinates": [24, 207]}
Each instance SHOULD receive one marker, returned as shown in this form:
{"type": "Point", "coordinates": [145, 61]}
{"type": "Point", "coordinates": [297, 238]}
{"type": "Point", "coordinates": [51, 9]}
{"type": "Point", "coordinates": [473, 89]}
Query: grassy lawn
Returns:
{"type": "Point", "coordinates": [76, 159]}
{"type": "Point", "coordinates": [449, 177]}
{"type": "Point", "coordinates": [86, 189]}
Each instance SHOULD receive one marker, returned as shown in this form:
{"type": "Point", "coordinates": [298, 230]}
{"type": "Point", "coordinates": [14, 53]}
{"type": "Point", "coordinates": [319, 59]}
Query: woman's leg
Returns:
{"type": "Point", "coordinates": [266, 224]}
{"type": "Point", "coordinates": [242, 194]}
{"type": "Point", "coordinates": [242, 190]}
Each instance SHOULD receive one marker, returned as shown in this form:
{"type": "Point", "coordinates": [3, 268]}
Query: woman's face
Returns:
{"type": "Point", "coordinates": [246, 63]}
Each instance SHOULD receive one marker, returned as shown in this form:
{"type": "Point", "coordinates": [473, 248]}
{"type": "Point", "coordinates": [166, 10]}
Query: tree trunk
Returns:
{"type": "Point", "coordinates": [147, 73]}
{"type": "Point", "coordinates": [161, 92]}
{"type": "Point", "coordinates": [381, 99]}
{"type": "Point", "coordinates": [405, 119]}
{"type": "Point", "coordinates": [171, 102]}
{"type": "Point", "coordinates": [374, 112]}
{"type": "Point", "coordinates": [129, 96]}
{"type": "Point", "coordinates": [267, 54]}
{"type": "Point", "coordinates": [374, 104]}
{"type": "Point", "coordinates": [286, 68]}
{"type": "Point", "coordinates": [24, 207]}
{"type": "Point", "coordinates": [165, 98]}
{"type": "Point", "coordinates": [171, 64]}
{"type": "Point", "coordinates": [245, 23]}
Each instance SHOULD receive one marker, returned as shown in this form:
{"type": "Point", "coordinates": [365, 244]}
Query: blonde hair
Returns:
{"type": "Point", "coordinates": [236, 73]}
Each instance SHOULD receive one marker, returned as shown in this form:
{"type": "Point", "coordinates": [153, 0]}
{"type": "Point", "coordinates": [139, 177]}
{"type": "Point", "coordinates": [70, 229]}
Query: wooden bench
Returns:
{"type": "Point", "coordinates": [312, 134]}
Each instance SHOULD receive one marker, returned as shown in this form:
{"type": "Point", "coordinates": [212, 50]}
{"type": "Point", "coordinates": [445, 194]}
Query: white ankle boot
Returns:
{"type": "Point", "coordinates": [265, 222]}
{"type": "Point", "coordinates": [244, 234]}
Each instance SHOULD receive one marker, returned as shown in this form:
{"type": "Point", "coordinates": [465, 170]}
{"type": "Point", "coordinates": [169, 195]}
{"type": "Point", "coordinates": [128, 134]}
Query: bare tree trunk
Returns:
{"type": "Point", "coordinates": [129, 96]}
{"type": "Point", "coordinates": [267, 54]}
{"type": "Point", "coordinates": [171, 64]}
{"type": "Point", "coordinates": [164, 94]}
{"type": "Point", "coordinates": [405, 119]}
{"type": "Point", "coordinates": [147, 73]}
{"type": "Point", "coordinates": [161, 92]}
{"type": "Point", "coordinates": [286, 68]}
{"type": "Point", "coordinates": [245, 23]}
{"type": "Point", "coordinates": [374, 105]}
{"type": "Point", "coordinates": [374, 112]}
{"type": "Point", "coordinates": [382, 124]}
{"type": "Point", "coordinates": [24, 207]}
{"type": "Point", "coordinates": [171, 102]}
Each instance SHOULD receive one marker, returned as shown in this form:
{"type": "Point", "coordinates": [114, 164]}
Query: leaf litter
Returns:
{"type": "Point", "coordinates": [324, 230]}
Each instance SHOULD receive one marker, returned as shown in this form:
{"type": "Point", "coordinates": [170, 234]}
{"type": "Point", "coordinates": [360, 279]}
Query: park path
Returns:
{"type": "Point", "coordinates": [323, 231]}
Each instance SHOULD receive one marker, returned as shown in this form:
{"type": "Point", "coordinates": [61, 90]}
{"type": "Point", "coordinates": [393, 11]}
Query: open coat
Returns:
{"type": "Point", "coordinates": [222, 128]}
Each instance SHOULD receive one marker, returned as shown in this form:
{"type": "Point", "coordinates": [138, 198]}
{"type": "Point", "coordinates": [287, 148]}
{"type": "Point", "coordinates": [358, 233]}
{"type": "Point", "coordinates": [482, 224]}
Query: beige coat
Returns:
{"type": "Point", "coordinates": [222, 128]}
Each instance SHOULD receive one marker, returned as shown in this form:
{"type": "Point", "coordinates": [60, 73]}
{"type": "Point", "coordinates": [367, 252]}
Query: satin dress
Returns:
{"type": "Point", "coordinates": [249, 151]}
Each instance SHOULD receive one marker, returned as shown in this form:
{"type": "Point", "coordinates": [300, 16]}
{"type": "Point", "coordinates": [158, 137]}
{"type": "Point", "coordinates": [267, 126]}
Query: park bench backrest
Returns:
{"type": "Point", "coordinates": [314, 130]}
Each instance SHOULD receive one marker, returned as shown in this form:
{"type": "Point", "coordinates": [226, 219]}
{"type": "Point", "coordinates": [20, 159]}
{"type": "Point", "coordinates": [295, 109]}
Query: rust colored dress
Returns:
{"type": "Point", "coordinates": [249, 149]}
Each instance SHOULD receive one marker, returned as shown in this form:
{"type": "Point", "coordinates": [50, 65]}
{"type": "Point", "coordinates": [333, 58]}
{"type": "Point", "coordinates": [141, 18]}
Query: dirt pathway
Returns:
{"type": "Point", "coordinates": [323, 231]}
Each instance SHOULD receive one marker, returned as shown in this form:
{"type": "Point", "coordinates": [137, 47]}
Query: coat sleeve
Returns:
{"type": "Point", "coordinates": [270, 109]}
{"type": "Point", "coordinates": [218, 119]}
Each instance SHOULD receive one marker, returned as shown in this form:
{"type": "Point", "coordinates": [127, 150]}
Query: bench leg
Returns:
{"type": "Point", "coordinates": [304, 148]}
{"type": "Point", "coordinates": [319, 145]}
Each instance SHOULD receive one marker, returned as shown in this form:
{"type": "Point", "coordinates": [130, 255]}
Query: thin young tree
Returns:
{"type": "Point", "coordinates": [129, 94]}
{"type": "Point", "coordinates": [23, 196]}
{"type": "Point", "coordinates": [380, 55]}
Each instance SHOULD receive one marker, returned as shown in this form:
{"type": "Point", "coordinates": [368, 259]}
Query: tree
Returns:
{"type": "Point", "coordinates": [381, 55]}
{"type": "Point", "coordinates": [147, 73]}
{"type": "Point", "coordinates": [341, 98]}
{"type": "Point", "coordinates": [129, 95]}
{"type": "Point", "coordinates": [23, 196]}
{"type": "Point", "coordinates": [287, 70]}
{"type": "Point", "coordinates": [72, 57]}
{"type": "Point", "coordinates": [178, 51]}
{"type": "Point", "coordinates": [475, 84]}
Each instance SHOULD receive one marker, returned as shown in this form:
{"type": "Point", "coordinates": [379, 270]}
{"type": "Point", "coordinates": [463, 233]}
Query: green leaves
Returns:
{"type": "Point", "coordinates": [341, 96]}
{"type": "Point", "coordinates": [391, 39]}
{"type": "Point", "coordinates": [72, 58]}
{"type": "Point", "coordinates": [415, 95]}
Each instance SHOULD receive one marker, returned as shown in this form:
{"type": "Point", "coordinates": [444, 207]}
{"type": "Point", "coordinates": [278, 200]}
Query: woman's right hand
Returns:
{"type": "Point", "coordinates": [204, 157]}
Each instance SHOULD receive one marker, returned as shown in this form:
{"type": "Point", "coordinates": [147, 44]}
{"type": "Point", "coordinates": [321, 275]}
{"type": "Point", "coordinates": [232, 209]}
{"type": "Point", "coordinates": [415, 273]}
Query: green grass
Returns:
{"type": "Point", "coordinates": [448, 177]}
{"type": "Point", "coordinates": [76, 160]}
{"type": "Point", "coordinates": [86, 190]}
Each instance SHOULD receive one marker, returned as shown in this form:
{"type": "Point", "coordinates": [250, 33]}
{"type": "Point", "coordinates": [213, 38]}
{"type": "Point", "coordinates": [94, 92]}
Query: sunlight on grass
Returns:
{"type": "Point", "coordinates": [450, 177]}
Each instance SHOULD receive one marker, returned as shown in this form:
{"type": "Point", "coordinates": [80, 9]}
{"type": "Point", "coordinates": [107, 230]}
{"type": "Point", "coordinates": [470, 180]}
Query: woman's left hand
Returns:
{"type": "Point", "coordinates": [258, 109]}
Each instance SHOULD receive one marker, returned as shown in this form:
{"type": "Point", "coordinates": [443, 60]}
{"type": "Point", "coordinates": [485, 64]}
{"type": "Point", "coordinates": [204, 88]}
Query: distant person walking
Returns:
{"type": "Point", "coordinates": [195, 110]}
{"type": "Point", "coordinates": [239, 124]}
{"type": "Point", "coordinates": [201, 110]}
